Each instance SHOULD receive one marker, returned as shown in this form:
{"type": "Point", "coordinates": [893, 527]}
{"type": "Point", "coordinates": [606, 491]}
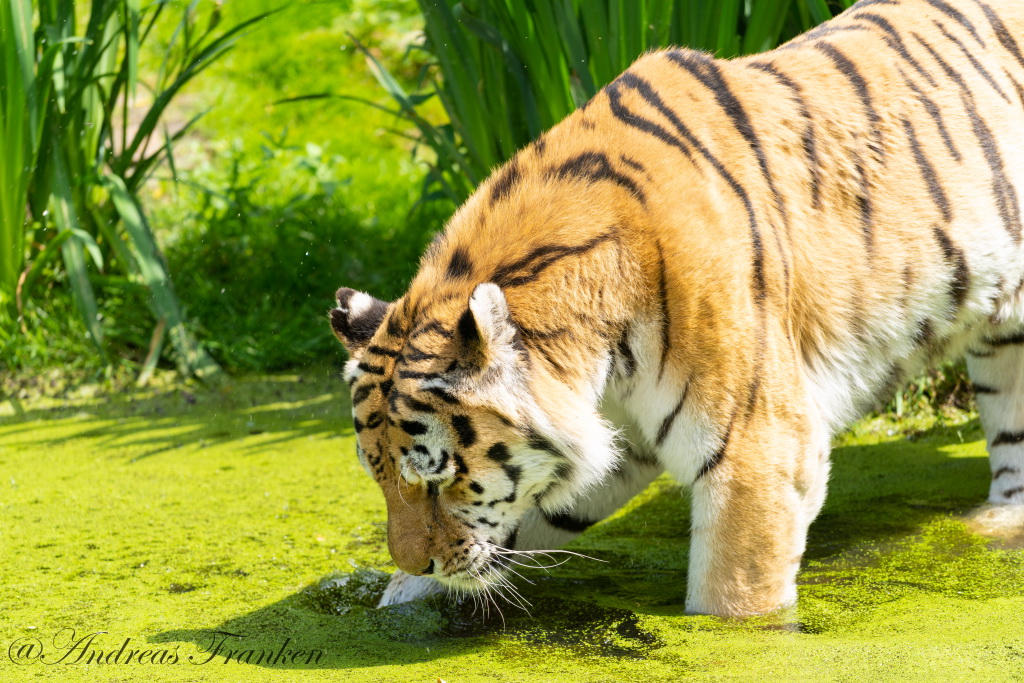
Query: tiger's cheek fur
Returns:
{"type": "Point", "coordinates": [711, 268]}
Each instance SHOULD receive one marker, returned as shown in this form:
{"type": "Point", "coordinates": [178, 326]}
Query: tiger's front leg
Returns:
{"type": "Point", "coordinates": [540, 531]}
{"type": "Point", "coordinates": [751, 512]}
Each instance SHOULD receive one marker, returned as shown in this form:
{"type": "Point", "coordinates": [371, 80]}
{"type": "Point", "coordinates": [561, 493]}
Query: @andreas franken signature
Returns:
{"type": "Point", "coordinates": [67, 647]}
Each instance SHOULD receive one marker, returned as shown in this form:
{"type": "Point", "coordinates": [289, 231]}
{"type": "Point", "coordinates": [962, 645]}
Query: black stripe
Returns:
{"type": "Point", "coordinates": [539, 442]}
{"type": "Point", "coordinates": [933, 111]}
{"type": "Point", "coordinates": [974, 61]}
{"type": "Point", "coordinates": [849, 69]}
{"type": "Point", "coordinates": [957, 16]}
{"type": "Point", "coordinates": [463, 427]}
{"type": "Point", "coordinates": [1017, 87]}
{"type": "Point", "coordinates": [626, 352]}
{"type": "Point", "coordinates": [504, 181]}
{"type": "Point", "coordinates": [361, 394]}
{"type": "Point", "coordinates": [980, 388]}
{"type": "Point", "coordinates": [981, 354]}
{"type": "Point", "coordinates": [1004, 470]}
{"type": "Point", "coordinates": [754, 391]}
{"type": "Point", "coordinates": [381, 351]}
{"type": "Point", "coordinates": [499, 452]}
{"type": "Point", "coordinates": [666, 424]}
{"type": "Point", "coordinates": [413, 353]}
{"type": "Point", "coordinates": [415, 404]}
{"type": "Point", "coordinates": [938, 195]}
{"type": "Point", "coordinates": [1007, 438]}
{"type": "Point", "coordinates": [459, 265]}
{"type": "Point", "coordinates": [716, 457]}
{"type": "Point", "coordinates": [895, 42]}
{"type": "Point", "coordinates": [644, 89]}
{"type": "Point", "coordinates": [371, 369]}
{"type": "Point", "coordinates": [810, 144]}
{"type": "Point", "coordinates": [1011, 340]}
{"type": "Point", "coordinates": [955, 257]}
{"type": "Point", "coordinates": [395, 328]}
{"type": "Point", "coordinates": [566, 522]}
{"type": "Point", "coordinates": [442, 394]}
{"type": "Point", "coordinates": [540, 259]}
{"type": "Point", "coordinates": [460, 464]}
{"type": "Point", "coordinates": [513, 472]}
{"type": "Point", "coordinates": [595, 167]}
{"type": "Point", "coordinates": [1005, 39]}
{"type": "Point", "coordinates": [412, 427]}
{"type": "Point", "coordinates": [1010, 493]}
{"type": "Point", "coordinates": [823, 31]}
{"type": "Point", "coordinates": [666, 319]}
{"type": "Point", "coordinates": [540, 145]}
{"type": "Point", "coordinates": [632, 163]}
{"type": "Point", "coordinates": [865, 207]}
{"type": "Point", "coordinates": [432, 326]}
{"type": "Point", "coordinates": [639, 122]}
{"type": "Point", "coordinates": [925, 333]}
{"type": "Point", "coordinates": [416, 374]}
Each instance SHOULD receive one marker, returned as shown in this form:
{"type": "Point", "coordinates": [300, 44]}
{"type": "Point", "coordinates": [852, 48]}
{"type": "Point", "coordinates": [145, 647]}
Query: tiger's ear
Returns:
{"type": "Point", "coordinates": [356, 318]}
{"type": "Point", "coordinates": [486, 332]}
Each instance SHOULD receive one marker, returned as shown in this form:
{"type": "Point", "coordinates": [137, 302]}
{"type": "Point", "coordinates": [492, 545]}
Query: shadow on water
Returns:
{"type": "Point", "coordinates": [146, 423]}
{"type": "Point", "coordinates": [332, 624]}
{"type": "Point", "coordinates": [882, 496]}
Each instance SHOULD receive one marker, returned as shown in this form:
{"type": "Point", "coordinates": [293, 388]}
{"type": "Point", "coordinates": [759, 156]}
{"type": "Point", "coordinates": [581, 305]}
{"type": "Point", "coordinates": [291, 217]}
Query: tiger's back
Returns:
{"type": "Point", "coordinates": [724, 261]}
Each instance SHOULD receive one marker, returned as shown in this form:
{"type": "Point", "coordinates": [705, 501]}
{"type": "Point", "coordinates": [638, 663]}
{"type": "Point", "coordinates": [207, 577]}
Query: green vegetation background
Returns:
{"type": "Point", "coordinates": [274, 206]}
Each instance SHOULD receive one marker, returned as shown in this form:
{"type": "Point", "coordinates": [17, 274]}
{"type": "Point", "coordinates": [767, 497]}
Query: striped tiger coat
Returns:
{"type": "Point", "coordinates": [709, 269]}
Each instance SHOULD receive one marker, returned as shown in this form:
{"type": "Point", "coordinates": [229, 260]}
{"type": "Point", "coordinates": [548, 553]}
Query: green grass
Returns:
{"type": "Point", "coordinates": [165, 514]}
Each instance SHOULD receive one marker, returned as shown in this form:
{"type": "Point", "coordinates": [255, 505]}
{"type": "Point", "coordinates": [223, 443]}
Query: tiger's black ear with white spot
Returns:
{"type": "Point", "coordinates": [356, 318]}
{"type": "Point", "coordinates": [485, 330]}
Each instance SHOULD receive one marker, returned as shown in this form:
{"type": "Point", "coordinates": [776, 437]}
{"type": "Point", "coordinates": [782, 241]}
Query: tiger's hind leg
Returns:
{"type": "Point", "coordinates": [541, 531]}
{"type": "Point", "coordinates": [996, 366]}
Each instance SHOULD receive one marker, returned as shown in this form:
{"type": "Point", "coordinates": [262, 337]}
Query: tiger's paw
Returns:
{"type": "Point", "coordinates": [406, 587]}
{"type": "Point", "coordinates": [1002, 522]}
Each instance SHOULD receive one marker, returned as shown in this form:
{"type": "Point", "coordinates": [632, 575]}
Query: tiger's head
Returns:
{"type": "Point", "coordinates": [463, 432]}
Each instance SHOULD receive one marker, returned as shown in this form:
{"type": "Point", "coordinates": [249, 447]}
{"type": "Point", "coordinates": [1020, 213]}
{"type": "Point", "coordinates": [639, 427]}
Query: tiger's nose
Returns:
{"type": "Point", "coordinates": [412, 560]}
{"type": "Point", "coordinates": [409, 546]}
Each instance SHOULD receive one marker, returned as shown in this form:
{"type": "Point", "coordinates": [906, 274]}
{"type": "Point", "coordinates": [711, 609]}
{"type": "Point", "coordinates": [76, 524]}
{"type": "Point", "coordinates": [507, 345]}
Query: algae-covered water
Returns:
{"type": "Point", "coordinates": [230, 535]}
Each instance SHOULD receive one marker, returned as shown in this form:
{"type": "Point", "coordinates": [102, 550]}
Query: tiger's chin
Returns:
{"type": "Point", "coordinates": [408, 587]}
{"type": "Point", "coordinates": [405, 587]}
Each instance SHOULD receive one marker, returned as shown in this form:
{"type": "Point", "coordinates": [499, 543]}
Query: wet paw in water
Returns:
{"type": "Point", "coordinates": [1002, 523]}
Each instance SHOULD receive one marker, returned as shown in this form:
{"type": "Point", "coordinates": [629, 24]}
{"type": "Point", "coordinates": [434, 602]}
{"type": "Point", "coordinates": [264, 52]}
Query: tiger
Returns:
{"type": "Point", "coordinates": [709, 269]}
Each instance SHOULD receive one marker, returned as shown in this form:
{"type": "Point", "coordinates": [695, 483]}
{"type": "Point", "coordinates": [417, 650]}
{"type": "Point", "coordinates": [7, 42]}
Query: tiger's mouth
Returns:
{"type": "Point", "coordinates": [483, 575]}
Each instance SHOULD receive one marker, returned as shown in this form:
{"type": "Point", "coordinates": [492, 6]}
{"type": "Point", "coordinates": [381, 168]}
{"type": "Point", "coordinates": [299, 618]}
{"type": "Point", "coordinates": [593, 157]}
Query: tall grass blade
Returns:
{"type": "Point", "coordinates": [192, 358]}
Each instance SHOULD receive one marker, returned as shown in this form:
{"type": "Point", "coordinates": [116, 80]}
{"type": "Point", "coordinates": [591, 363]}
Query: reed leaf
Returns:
{"type": "Point", "coordinates": [506, 70]}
